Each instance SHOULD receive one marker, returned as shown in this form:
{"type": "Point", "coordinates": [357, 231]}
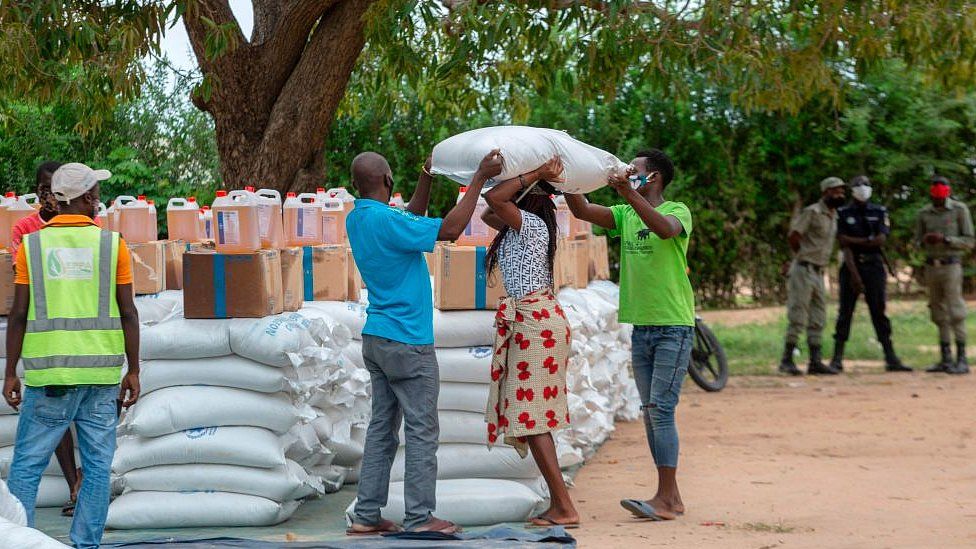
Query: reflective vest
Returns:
{"type": "Point", "coordinates": [74, 329]}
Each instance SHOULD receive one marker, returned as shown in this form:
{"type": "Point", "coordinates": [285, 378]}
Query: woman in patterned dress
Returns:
{"type": "Point", "coordinates": [527, 401]}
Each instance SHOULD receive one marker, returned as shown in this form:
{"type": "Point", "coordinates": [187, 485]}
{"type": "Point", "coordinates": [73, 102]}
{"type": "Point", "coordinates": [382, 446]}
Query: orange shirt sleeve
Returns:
{"type": "Point", "coordinates": [21, 276]}
{"type": "Point", "coordinates": [123, 271]}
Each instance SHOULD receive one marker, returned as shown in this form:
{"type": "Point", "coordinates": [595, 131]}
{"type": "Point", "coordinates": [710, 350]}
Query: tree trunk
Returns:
{"type": "Point", "coordinates": [274, 98]}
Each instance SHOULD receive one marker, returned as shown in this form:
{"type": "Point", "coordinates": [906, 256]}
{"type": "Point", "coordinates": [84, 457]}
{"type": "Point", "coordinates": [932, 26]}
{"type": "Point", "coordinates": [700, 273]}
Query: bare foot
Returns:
{"type": "Point", "coordinates": [438, 525]}
{"type": "Point", "coordinates": [666, 507]}
{"type": "Point", "coordinates": [382, 527]}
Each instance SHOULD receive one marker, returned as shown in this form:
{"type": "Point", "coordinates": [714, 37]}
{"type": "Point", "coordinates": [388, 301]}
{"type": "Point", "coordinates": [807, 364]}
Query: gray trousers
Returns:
{"type": "Point", "coordinates": [405, 382]}
{"type": "Point", "coordinates": [806, 305]}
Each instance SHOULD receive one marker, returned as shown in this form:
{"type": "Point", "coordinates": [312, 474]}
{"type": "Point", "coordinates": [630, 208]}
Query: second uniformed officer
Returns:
{"type": "Point", "coordinates": [944, 230]}
{"type": "Point", "coordinates": [862, 229]}
{"type": "Point", "coordinates": [811, 239]}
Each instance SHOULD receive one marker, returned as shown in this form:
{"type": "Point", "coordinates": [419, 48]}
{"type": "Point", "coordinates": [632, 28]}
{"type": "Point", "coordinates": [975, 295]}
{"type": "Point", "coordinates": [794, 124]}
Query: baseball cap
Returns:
{"type": "Point", "coordinates": [75, 179]}
{"type": "Point", "coordinates": [830, 183]}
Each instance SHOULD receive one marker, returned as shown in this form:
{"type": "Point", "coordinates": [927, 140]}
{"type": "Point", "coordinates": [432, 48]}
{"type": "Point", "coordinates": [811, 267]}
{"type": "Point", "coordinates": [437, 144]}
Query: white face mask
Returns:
{"type": "Point", "coordinates": [861, 193]}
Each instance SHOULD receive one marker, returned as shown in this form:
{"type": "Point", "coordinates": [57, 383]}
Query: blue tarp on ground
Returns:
{"type": "Point", "coordinates": [501, 536]}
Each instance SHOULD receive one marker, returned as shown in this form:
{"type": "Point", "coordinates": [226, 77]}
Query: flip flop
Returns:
{"type": "Point", "coordinates": [383, 527]}
{"type": "Point", "coordinates": [69, 509]}
{"type": "Point", "coordinates": [550, 523]}
{"type": "Point", "coordinates": [641, 509]}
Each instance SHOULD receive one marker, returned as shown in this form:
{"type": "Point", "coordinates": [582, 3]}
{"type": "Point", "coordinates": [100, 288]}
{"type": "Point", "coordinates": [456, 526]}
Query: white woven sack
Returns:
{"type": "Point", "coordinates": [470, 502]}
{"type": "Point", "coordinates": [156, 308]}
{"type": "Point", "coordinates": [137, 510]}
{"type": "Point", "coordinates": [279, 484]}
{"type": "Point", "coordinates": [10, 507]}
{"type": "Point", "coordinates": [20, 536]}
{"type": "Point", "coordinates": [475, 461]}
{"type": "Point", "coordinates": [7, 458]}
{"type": "Point", "coordinates": [271, 340]}
{"type": "Point", "coordinates": [52, 491]}
{"type": "Point", "coordinates": [463, 397]}
{"type": "Point", "coordinates": [179, 408]}
{"type": "Point", "coordinates": [350, 314]}
{"type": "Point", "coordinates": [246, 446]}
{"type": "Point", "coordinates": [180, 339]}
{"type": "Point", "coordinates": [465, 364]}
{"type": "Point", "coordinates": [458, 427]}
{"type": "Point", "coordinates": [8, 429]}
{"type": "Point", "coordinates": [524, 148]}
{"type": "Point", "coordinates": [226, 371]}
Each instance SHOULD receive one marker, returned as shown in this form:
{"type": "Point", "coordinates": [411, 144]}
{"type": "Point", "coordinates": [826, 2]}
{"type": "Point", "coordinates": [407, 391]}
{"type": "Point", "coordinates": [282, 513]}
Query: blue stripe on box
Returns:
{"type": "Point", "coordinates": [307, 282]}
{"type": "Point", "coordinates": [220, 286]}
{"type": "Point", "coordinates": [480, 278]}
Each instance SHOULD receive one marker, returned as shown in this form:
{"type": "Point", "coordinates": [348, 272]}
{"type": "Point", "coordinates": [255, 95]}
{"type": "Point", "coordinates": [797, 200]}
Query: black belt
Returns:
{"type": "Point", "coordinates": [808, 265]}
{"type": "Point", "coordinates": [942, 261]}
{"type": "Point", "coordinates": [868, 257]}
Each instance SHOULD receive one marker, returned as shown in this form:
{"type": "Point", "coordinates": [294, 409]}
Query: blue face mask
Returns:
{"type": "Point", "coordinates": [637, 181]}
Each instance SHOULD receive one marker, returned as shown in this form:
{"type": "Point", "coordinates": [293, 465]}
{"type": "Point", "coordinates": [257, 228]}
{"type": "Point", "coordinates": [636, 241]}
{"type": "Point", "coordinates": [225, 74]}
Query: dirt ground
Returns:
{"type": "Point", "coordinates": [873, 461]}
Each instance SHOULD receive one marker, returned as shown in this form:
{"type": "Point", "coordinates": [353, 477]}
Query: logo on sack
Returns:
{"type": "Point", "coordinates": [200, 432]}
{"type": "Point", "coordinates": [480, 352]}
{"type": "Point", "coordinates": [70, 263]}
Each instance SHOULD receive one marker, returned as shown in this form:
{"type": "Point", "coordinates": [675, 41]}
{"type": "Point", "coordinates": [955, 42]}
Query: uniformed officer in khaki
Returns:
{"type": "Point", "coordinates": [811, 239]}
{"type": "Point", "coordinates": [944, 231]}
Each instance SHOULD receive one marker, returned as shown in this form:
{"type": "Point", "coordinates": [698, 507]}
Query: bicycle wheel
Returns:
{"type": "Point", "coordinates": [709, 367]}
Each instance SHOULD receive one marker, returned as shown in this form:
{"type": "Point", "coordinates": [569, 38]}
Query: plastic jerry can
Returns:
{"type": "Point", "coordinates": [21, 207]}
{"type": "Point", "coordinates": [206, 222]}
{"type": "Point", "coordinates": [5, 225]}
{"type": "Point", "coordinates": [333, 221]}
{"type": "Point", "coordinates": [564, 220]}
{"type": "Point", "coordinates": [302, 220]}
{"type": "Point", "coordinates": [101, 217]}
{"type": "Point", "coordinates": [136, 220]}
{"type": "Point", "coordinates": [477, 232]}
{"type": "Point", "coordinates": [183, 219]}
{"type": "Point", "coordinates": [235, 222]}
{"type": "Point", "coordinates": [342, 194]}
{"type": "Point", "coordinates": [270, 224]}
{"type": "Point", "coordinates": [397, 201]}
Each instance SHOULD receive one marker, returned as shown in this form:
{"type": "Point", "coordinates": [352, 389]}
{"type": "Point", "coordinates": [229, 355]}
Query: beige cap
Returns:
{"type": "Point", "coordinates": [830, 183]}
{"type": "Point", "coordinates": [75, 179]}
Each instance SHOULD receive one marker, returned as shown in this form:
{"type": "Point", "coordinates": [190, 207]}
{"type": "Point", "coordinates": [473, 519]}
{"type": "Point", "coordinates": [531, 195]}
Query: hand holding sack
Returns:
{"type": "Point", "coordinates": [524, 149]}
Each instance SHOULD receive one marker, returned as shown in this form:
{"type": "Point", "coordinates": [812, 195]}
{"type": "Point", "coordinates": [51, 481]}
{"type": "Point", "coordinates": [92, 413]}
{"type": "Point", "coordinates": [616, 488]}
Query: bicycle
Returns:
{"type": "Point", "coordinates": [708, 368]}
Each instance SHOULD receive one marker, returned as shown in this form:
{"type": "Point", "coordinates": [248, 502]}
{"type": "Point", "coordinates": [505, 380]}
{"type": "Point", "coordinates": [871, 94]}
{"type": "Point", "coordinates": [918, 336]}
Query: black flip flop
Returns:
{"type": "Point", "coordinates": [641, 509]}
{"type": "Point", "coordinates": [550, 523]}
{"type": "Point", "coordinates": [69, 509]}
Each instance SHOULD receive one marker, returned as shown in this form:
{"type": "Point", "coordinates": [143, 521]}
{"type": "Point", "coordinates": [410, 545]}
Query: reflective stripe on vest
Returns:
{"type": "Point", "coordinates": [64, 344]}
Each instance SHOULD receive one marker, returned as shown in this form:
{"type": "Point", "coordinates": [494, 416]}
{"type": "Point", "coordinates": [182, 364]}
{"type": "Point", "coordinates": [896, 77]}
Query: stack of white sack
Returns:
{"type": "Point", "coordinates": [223, 433]}
{"type": "Point", "coordinates": [13, 525]}
{"type": "Point", "coordinates": [482, 486]}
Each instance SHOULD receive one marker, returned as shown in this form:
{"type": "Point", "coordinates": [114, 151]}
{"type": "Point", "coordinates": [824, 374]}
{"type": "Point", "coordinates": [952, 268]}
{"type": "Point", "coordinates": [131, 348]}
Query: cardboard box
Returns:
{"type": "Point", "coordinates": [325, 273]}
{"type": "Point", "coordinates": [148, 266]}
{"type": "Point", "coordinates": [6, 281]}
{"type": "Point", "coordinates": [579, 251]}
{"type": "Point", "coordinates": [460, 281]}
{"type": "Point", "coordinates": [599, 258]}
{"type": "Point", "coordinates": [292, 279]}
{"type": "Point", "coordinates": [354, 282]}
{"type": "Point", "coordinates": [231, 285]}
{"type": "Point", "coordinates": [173, 257]}
{"type": "Point", "coordinates": [562, 268]}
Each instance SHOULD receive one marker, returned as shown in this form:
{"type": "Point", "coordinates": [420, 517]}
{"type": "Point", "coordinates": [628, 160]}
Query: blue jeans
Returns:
{"type": "Point", "coordinates": [43, 421]}
{"type": "Point", "coordinates": [660, 360]}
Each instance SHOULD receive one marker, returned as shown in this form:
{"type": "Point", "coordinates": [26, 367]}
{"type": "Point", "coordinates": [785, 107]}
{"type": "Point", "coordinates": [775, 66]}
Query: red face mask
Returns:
{"type": "Point", "coordinates": [939, 191]}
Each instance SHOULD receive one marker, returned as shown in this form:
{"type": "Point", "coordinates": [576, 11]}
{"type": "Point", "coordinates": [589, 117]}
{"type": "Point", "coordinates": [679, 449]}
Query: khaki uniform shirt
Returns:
{"type": "Point", "coordinates": [818, 227]}
{"type": "Point", "coordinates": [953, 221]}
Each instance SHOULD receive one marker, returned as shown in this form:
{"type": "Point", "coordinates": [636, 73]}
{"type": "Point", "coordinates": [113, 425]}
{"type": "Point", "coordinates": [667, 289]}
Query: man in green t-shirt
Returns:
{"type": "Point", "coordinates": [656, 297]}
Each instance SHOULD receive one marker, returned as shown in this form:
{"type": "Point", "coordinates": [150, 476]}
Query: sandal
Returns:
{"type": "Point", "coordinates": [544, 521]}
{"type": "Point", "coordinates": [69, 508]}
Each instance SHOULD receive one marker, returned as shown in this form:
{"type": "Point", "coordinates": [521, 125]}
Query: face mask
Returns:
{"type": "Point", "coordinates": [861, 193]}
{"type": "Point", "coordinates": [835, 201]}
{"type": "Point", "coordinates": [637, 181]}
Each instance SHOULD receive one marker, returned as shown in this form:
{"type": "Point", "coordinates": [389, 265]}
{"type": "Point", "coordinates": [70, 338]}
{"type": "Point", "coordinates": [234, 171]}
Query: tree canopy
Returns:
{"type": "Point", "coordinates": [273, 95]}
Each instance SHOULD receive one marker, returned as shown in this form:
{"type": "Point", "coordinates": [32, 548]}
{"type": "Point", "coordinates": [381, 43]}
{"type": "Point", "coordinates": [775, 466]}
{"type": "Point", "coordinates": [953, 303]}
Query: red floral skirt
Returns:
{"type": "Point", "coordinates": [528, 370]}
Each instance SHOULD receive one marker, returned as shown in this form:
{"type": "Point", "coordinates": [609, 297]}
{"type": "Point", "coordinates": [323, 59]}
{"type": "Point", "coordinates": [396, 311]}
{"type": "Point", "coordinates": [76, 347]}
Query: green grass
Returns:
{"type": "Point", "coordinates": [755, 348]}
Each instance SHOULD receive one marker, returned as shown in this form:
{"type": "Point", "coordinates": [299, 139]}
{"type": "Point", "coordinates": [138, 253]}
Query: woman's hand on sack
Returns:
{"type": "Point", "coordinates": [491, 164]}
{"type": "Point", "coordinates": [552, 170]}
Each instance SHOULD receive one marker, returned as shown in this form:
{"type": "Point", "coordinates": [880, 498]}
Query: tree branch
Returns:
{"type": "Point", "coordinates": [602, 6]}
{"type": "Point", "coordinates": [219, 12]}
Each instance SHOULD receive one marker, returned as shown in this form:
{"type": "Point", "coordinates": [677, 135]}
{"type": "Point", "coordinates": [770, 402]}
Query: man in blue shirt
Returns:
{"type": "Point", "coordinates": [398, 338]}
